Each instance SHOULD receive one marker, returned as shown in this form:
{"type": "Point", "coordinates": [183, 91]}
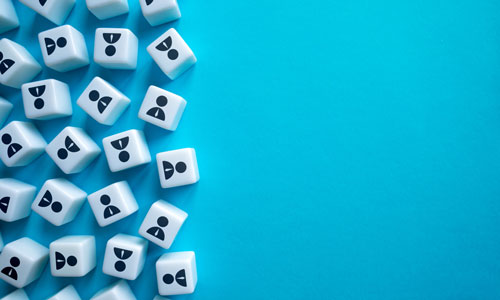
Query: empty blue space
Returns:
{"type": "Point", "coordinates": [347, 149]}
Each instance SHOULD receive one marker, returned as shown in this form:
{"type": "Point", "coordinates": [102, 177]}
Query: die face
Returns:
{"type": "Point", "coordinates": [117, 291]}
{"type": "Point", "coordinates": [68, 293]}
{"type": "Point", "coordinates": [22, 261]}
{"type": "Point", "coordinates": [15, 199]}
{"type": "Point", "coordinates": [103, 102]}
{"type": "Point", "coordinates": [8, 16]}
{"type": "Point", "coordinates": [124, 256]}
{"type": "Point", "coordinates": [158, 12]}
{"type": "Point", "coordinates": [162, 108]}
{"type": "Point", "coordinates": [46, 99]}
{"type": "Point", "coordinates": [20, 144]}
{"type": "Point", "coordinates": [5, 109]}
{"type": "Point", "coordinates": [177, 167]}
{"type": "Point", "coordinates": [54, 10]}
{"type": "Point", "coordinates": [115, 48]}
{"type": "Point", "coordinates": [72, 150]}
{"type": "Point", "coordinates": [72, 256]}
{"type": "Point", "coordinates": [162, 223]}
{"type": "Point", "coordinates": [58, 201]}
{"type": "Point", "coordinates": [18, 294]}
{"type": "Point", "coordinates": [176, 273]}
{"type": "Point", "coordinates": [171, 53]}
{"type": "Point", "coordinates": [126, 150]}
{"type": "Point", "coordinates": [17, 66]}
{"type": "Point", "coordinates": [105, 9]}
{"type": "Point", "coordinates": [63, 48]}
{"type": "Point", "coordinates": [113, 203]}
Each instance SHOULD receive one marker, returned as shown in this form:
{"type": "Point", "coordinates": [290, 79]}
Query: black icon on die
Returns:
{"type": "Point", "coordinates": [42, 2]}
{"type": "Point", "coordinates": [148, 2]}
{"type": "Point", "coordinates": [180, 278]}
{"type": "Point", "coordinates": [121, 144]}
{"type": "Point", "coordinates": [61, 261]}
{"type": "Point", "coordinates": [111, 38]}
{"type": "Point", "coordinates": [102, 102]}
{"type": "Point", "coordinates": [166, 45]}
{"type": "Point", "coordinates": [12, 148]}
{"type": "Point", "coordinates": [69, 145]}
{"type": "Point", "coordinates": [157, 231]}
{"type": "Point", "coordinates": [11, 271]}
{"type": "Point", "coordinates": [46, 201]}
{"type": "Point", "coordinates": [5, 64]}
{"type": "Point", "coordinates": [4, 204]}
{"type": "Point", "coordinates": [110, 210]}
{"type": "Point", "coordinates": [121, 254]}
{"type": "Point", "coordinates": [51, 46]}
{"type": "Point", "coordinates": [169, 169]}
{"type": "Point", "coordinates": [38, 91]}
{"type": "Point", "coordinates": [157, 112]}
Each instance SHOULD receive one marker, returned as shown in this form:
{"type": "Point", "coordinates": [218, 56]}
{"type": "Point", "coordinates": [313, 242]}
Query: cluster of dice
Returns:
{"type": "Point", "coordinates": [72, 150]}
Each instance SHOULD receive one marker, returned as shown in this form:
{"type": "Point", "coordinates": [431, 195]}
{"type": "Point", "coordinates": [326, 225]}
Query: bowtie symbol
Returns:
{"type": "Point", "coordinates": [180, 278]}
{"type": "Point", "coordinates": [38, 91]}
{"type": "Point", "coordinates": [5, 64]}
{"type": "Point", "coordinates": [120, 145]}
{"type": "Point", "coordinates": [51, 46]}
{"type": "Point", "coordinates": [61, 261]}
{"type": "Point", "coordinates": [102, 103]}
{"type": "Point", "coordinates": [12, 148]}
{"type": "Point", "coordinates": [4, 204]}
{"type": "Point", "coordinates": [165, 46]}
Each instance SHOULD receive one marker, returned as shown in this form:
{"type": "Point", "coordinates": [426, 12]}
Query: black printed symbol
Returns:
{"type": "Point", "coordinates": [110, 210]}
{"type": "Point", "coordinates": [42, 2]}
{"type": "Point", "coordinates": [121, 144]}
{"type": "Point", "coordinates": [180, 278]}
{"type": "Point", "coordinates": [37, 91]}
{"type": "Point", "coordinates": [157, 112]}
{"type": "Point", "coordinates": [148, 2]}
{"type": "Point", "coordinates": [102, 103]}
{"type": "Point", "coordinates": [61, 261]}
{"type": "Point", "coordinates": [70, 146]}
{"type": "Point", "coordinates": [4, 204]}
{"type": "Point", "coordinates": [11, 271]}
{"type": "Point", "coordinates": [51, 45]}
{"type": "Point", "coordinates": [111, 38]}
{"type": "Point", "coordinates": [12, 148]}
{"type": "Point", "coordinates": [158, 232]}
{"type": "Point", "coordinates": [47, 200]}
{"type": "Point", "coordinates": [5, 64]}
{"type": "Point", "coordinates": [169, 169]}
{"type": "Point", "coordinates": [165, 46]}
{"type": "Point", "coordinates": [122, 254]}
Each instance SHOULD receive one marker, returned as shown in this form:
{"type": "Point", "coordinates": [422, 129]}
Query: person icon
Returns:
{"type": "Point", "coordinates": [109, 210]}
{"type": "Point", "coordinates": [157, 112]}
{"type": "Point", "coordinates": [11, 271]}
{"type": "Point", "coordinates": [158, 232]}
{"type": "Point", "coordinates": [4, 204]}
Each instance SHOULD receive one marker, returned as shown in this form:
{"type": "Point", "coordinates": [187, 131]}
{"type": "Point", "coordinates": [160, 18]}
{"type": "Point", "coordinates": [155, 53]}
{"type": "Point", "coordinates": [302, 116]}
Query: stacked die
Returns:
{"type": "Point", "coordinates": [73, 150]}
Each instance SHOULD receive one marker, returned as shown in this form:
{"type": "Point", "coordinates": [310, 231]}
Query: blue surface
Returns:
{"type": "Point", "coordinates": [347, 149]}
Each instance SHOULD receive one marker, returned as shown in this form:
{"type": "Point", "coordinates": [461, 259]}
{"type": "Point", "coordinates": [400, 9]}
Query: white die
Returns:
{"type": "Point", "coordinates": [162, 223]}
{"type": "Point", "coordinates": [15, 199]}
{"type": "Point", "coordinates": [162, 108]}
{"type": "Point", "coordinates": [126, 150]}
{"type": "Point", "coordinates": [63, 48]}
{"type": "Point", "coordinates": [68, 293]}
{"type": "Point", "coordinates": [176, 273]}
{"type": "Point", "coordinates": [177, 167]}
{"type": "Point", "coordinates": [58, 201]}
{"type": "Point", "coordinates": [171, 53]}
{"type": "Point", "coordinates": [17, 66]}
{"type": "Point", "coordinates": [8, 16]}
{"type": "Point", "coordinates": [55, 10]}
{"type": "Point", "coordinates": [20, 144]}
{"type": "Point", "coordinates": [105, 9]}
{"type": "Point", "coordinates": [72, 256]}
{"type": "Point", "coordinates": [18, 294]}
{"type": "Point", "coordinates": [115, 48]}
{"type": "Point", "coordinates": [103, 102]}
{"type": "Point", "coordinates": [118, 291]}
{"type": "Point", "coordinates": [5, 109]}
{"type": "Point", "coordinates": [113, 203]}
{"type": "Point", "coordinates": [158, 12]}
{"type": "Point", "coordinates": [46, 99]}
{"type": "Point", "coordinates": [125, 256]}
{"type": "Point", "coordinates": [22, 261]}
{"type": "Point", "coordinates": [72, 150]}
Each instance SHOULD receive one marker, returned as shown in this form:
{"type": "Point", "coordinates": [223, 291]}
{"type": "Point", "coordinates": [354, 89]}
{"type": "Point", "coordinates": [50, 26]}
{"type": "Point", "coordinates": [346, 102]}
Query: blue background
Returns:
{"type": "Point", "coordinates": [347, 149]}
